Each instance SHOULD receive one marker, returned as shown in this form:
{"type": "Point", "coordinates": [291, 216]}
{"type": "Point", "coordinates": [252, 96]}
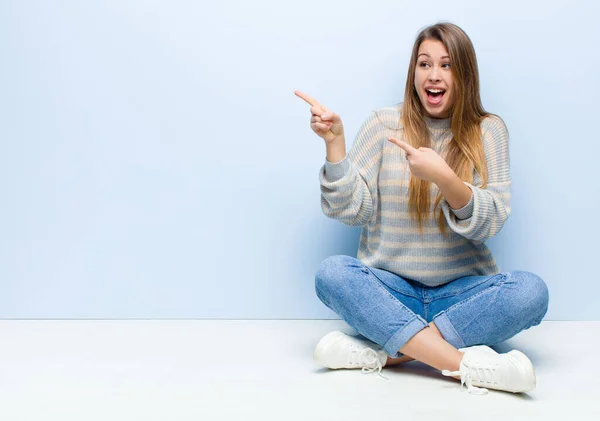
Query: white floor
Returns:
{"type": "Point", "coordinates": [263, 370]}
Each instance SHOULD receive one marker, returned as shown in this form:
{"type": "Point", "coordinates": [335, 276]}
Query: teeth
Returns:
{"type": "Point", "coordinates": [435, 91]}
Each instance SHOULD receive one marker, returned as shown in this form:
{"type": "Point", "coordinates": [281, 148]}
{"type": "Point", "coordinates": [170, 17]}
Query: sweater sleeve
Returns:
{"type": "Point", "coordinates": [489, 207]}
{"type": "Point", "coordinates": [349, 187]}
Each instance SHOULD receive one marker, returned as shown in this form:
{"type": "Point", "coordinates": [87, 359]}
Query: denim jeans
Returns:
{"type": "Point", "coordinates": [390, 310]}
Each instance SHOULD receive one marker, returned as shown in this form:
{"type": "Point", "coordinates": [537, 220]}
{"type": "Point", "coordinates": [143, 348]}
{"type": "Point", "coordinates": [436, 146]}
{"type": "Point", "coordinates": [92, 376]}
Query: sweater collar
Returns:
{"type": "Point", "coordinates": [438, 123]}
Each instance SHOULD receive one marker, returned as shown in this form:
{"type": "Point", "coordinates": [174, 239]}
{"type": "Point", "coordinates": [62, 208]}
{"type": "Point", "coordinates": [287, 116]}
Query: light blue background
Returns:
{"type": "Point", "coordinates": [155, 163]}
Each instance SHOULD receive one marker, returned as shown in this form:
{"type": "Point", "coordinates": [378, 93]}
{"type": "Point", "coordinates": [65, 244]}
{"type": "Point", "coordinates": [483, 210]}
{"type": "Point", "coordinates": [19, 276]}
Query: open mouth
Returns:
{"type": "Point", "coordinates": [434, 96]}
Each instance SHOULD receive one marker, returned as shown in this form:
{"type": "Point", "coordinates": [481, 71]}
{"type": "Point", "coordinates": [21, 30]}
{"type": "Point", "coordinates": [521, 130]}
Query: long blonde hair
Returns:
{"type": "Point", "coordinates": [465, 150]}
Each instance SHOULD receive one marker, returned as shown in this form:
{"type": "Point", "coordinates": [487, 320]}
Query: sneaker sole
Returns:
{"type": "Point", "coordinates": [324, 344]}
{"type": "Point", "coordinates": [525, 363]}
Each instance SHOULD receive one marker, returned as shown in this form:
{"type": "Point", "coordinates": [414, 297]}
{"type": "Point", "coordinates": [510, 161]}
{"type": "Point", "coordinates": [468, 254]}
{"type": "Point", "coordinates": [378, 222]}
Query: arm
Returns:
{"type": "Point", "coordinates": [457, 194]}
{"type": "Point", "coordinates": [484, 210]}
{"type": "Point", "coordinates": [348, 187]}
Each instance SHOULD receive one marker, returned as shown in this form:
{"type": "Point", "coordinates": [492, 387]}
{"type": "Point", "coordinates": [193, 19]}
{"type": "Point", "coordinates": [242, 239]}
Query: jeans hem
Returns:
{"type": "Point", "coordinates": [401, 337]}
{"type": "Point", "coordinates": [447, 330]}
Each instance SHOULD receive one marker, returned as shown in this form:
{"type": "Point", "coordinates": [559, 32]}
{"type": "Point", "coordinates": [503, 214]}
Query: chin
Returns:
{"type": "Point", "coordinates": [433, 113]}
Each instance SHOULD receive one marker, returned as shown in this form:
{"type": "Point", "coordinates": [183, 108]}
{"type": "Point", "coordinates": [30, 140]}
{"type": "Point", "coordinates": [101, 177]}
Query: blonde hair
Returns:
{"type": "Point", "coordinates": [465, 150]}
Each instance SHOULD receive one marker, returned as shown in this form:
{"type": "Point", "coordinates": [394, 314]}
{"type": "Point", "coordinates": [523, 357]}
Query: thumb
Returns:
{"type": "Point", "coordinates": [403, 145]}
{"type": "Point", "coordinates": [330, 116]}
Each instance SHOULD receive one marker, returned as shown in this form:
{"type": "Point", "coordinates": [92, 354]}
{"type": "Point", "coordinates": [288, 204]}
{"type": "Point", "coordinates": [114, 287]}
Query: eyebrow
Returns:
{"type": "Point", "coordinates": [425, 54]}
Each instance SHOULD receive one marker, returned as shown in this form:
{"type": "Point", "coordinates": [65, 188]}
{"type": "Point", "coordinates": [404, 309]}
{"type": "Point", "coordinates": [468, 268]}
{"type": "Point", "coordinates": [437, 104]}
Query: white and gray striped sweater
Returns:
{"type": "Point", "coordinates": [369, 188]}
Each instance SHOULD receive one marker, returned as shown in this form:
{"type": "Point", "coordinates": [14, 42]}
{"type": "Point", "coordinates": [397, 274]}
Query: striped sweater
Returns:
{"type": "Point", "coordinates": [369, 188]}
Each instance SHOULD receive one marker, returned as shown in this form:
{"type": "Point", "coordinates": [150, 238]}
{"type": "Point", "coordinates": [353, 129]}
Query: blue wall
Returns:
{"type": "Point", "coordinates": [155, 163]}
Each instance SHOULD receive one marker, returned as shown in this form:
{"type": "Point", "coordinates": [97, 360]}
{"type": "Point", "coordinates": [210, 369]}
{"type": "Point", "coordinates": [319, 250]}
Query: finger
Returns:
{"type": "Point", "coordinates": [316, 107]}
{"type": "Point", "coordinates": [316, 119]}
{"type": "Point", "coordinates": [329, 116]}
{"type": "Point", "coordinates": [310, 100]}
{"type": "Point", "coordinates": [320, 126]}
{"type": "Point", "coordinates": [317, 110]}
{"type": "Point", "coordinates": [403, 145]}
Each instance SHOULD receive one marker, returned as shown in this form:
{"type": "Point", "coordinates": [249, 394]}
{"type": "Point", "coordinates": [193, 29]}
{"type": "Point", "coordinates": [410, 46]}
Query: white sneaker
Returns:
{"type": "Point", "coordinates": [482, 366]}
{"type": "Point", "coordinates": [483, 348]}
{"type": "Point", "coordinates": [338, 350]}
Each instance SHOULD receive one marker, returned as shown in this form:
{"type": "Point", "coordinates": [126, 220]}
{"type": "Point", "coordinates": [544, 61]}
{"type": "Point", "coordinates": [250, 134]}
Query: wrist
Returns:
{"type": "Point", "coordinates": [452, 188]}
{"type": "Point", "coordinates": [446, 178]}
{"type": "Point", "coordinates": [336, 150]}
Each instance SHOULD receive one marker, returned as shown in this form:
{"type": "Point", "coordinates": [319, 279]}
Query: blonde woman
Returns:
{"type": "Point", "coordinates": [428, 181]}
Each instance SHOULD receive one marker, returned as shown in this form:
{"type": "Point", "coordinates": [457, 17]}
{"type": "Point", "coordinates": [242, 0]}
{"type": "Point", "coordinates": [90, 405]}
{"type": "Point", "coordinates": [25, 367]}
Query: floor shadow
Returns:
{"type": "Point", "coordinates": [417, 368]}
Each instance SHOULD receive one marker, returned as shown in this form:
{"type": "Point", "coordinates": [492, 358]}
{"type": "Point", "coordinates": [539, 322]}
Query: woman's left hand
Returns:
{"type": "Point", "coordinates": [424, 163]}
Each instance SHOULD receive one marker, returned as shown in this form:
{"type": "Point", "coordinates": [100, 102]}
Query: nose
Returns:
{"type": "Point", "coordinates": [433, 75]}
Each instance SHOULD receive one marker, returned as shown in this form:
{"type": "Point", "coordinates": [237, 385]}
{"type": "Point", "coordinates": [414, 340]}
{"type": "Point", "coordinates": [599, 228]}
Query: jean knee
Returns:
{"type": "Point", "coordinates": [533, 296]}
{"type": "Point", "coordinates": [329, 276]}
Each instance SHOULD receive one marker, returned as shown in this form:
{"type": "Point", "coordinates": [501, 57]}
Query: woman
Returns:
{"type": "Point", "coordinates": [429, 182]}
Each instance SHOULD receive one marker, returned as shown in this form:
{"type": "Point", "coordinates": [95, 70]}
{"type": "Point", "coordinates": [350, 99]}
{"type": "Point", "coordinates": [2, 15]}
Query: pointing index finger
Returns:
{"type": "Point", "coordinates": [403, 145]}
{"type": "Point", "coordinates": [310, 100]}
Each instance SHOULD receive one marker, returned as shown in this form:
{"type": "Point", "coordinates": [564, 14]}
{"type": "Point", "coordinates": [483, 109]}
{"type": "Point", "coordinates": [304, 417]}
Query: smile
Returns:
{"type": "Point", "coordinates": [434, 96]}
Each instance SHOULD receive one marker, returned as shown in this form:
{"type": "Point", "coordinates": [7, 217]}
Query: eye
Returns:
{"type": "Point", "coordinates": [423, 64]}
{"type": "Point", "coordinates": [447, 65]}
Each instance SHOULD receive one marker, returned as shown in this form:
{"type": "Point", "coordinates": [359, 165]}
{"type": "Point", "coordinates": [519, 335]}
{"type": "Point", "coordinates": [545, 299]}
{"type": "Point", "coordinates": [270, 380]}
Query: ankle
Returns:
{"type": "Point", "coordinates": [400, 360]}
{"type": "Point", "coordinates": [460, 356]}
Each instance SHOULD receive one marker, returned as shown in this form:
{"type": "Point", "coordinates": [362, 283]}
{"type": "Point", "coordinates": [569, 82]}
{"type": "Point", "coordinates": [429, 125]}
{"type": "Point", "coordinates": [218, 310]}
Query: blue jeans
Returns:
{"type": "Point", "coordinates": [390, 310]}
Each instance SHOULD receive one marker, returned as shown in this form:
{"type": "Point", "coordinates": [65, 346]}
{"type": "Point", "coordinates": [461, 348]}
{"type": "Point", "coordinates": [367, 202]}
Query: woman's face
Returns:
{"type": "Point", "coordinates": [433, 72]}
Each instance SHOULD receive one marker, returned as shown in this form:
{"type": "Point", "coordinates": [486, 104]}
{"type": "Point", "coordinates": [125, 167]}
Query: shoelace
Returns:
{"type": "Point", "coordinates": [373, 362]}
{"type": "Point", "coordinates": [465, 379]}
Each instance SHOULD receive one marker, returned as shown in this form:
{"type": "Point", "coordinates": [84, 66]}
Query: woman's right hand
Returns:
{"type": "Point", "coordinates": [326, 124]}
